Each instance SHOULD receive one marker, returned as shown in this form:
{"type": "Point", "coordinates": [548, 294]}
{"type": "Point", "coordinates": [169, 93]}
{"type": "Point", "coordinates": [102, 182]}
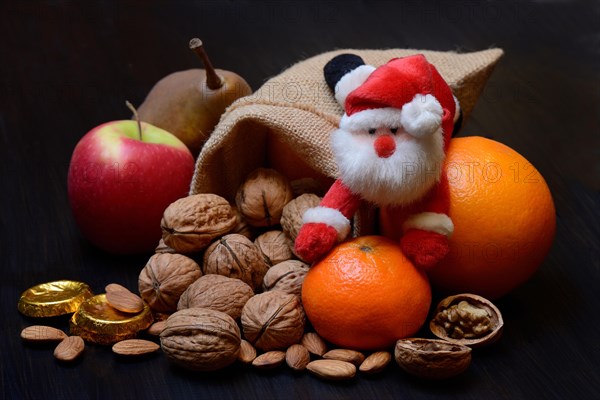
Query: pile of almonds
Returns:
{"type": "Point", "coordinates": [334, 364]}
{"type": "Point", "coordinates": [224, 286]}
{"type": "Point", "coordinates": [70, 348]}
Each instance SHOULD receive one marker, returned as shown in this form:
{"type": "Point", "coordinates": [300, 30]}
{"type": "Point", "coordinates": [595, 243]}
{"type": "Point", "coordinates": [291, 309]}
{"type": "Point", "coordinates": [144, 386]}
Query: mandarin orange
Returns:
{"type": "Point", "coordinates": [365, 294]}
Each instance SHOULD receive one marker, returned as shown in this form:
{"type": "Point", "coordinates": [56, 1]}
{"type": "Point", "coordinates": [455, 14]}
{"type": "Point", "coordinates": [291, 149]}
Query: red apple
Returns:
{"type": "Point", "coordinates": [120, 182]}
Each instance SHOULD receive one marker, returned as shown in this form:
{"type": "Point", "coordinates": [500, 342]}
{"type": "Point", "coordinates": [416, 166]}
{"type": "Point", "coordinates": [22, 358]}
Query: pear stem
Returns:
{"type": "Point", "coordinates": [213, 80]}
{"type": "Point", "coordinates": [137, 117]}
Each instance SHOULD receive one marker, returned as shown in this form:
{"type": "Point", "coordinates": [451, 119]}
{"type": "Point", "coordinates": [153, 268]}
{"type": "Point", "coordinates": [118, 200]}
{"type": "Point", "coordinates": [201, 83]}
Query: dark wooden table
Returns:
{"type": "Point", "coordinates": [68, 66]}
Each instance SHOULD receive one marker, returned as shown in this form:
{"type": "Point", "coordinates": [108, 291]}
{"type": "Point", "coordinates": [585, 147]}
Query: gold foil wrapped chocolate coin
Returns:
{"type": "Point", "coordinates": [98, 322]}
{"type": "Point", "coordinates": [51, 299]}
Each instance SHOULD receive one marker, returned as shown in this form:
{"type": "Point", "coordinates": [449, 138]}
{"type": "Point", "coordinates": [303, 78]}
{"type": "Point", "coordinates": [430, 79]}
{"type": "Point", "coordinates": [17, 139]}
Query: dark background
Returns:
{"type": "Point", "coordinates": [68, 66]}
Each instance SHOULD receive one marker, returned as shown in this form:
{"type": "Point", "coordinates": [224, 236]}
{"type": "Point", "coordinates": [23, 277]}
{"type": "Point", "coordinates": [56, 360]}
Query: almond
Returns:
{"type": "Point", "coordinates": [314, 344]}
{"type": "Point", "coordinates": [375, 362]}
{"type": "Point", "coordinates": [122, 299]}
{"type": "Point", "coordinates": [332, 369]}
{"type": "Point", "coordinates": [69, 349]}
{"type": "Point", "coordinates": [115, 287]}
{"type": "Point", "coordinates": [134, 347]}
{"type": "Point", "coordinates": [269, 360]}
{"type": "Point", "coordinates": [156, 328]}
{"type": "Point", "coordinates": [42, 333]}
{"type": "Point", "coordinates": [351, 356]}
{"type": "Point", "coordinates": [247, 352]}
{"type": "Point", "coordinates": [297, 357]}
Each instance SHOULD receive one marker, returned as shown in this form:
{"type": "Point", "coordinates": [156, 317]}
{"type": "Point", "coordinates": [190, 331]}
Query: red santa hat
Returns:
{"type": "Point", "coordinates": [406, 92]}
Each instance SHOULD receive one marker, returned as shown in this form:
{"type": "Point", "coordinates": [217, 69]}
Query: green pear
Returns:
{"type": "Point", "coordinates": [190, 103]}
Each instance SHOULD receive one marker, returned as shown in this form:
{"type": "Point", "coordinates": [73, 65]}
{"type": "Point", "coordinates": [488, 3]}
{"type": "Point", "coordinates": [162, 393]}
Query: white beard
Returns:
{"type": "Point", "coordinates": [401, 179]}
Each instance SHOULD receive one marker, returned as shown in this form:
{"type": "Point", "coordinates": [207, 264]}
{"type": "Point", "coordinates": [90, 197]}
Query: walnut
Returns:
{"type": "Point", "coordinates": [201, 339]}
{"type": "Point", "coordinates": [191, 223]}
{"type": "Point", "coordinates": [235, 256]}
{"type": "Point", "coordinates": [164, 278]}
{"type": "Point", "coordinates": [286, 276]}
{"type": "Point", "coordinates": [273, 320]}
{"type": "Point", "coordinates": [467, 319]}
{"type": "Point", "coordinates": [275, 247]}
{"type": "Point", "coordinates": [432, 358]}
{"type": "Point", "coordinates": [262, 196]}
{"type": "Point", "coordinates": [291, 220]}
{"type": "Point", "coordinates": [217, 292]}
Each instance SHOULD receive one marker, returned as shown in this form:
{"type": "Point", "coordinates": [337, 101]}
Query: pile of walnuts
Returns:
{"type": "Point", "coordinates": [226, 274]}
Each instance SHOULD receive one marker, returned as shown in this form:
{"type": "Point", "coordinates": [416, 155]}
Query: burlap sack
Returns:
{"type": "Point", "coordinates": [287, 122]}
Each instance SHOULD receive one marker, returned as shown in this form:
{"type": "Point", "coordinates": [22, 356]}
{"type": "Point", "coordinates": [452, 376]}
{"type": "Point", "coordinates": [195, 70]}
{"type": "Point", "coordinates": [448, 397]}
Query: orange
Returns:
{"type": "Point", "coordinates": [504, 219]}
{"type": "Point", "coordinates": [365, 294]}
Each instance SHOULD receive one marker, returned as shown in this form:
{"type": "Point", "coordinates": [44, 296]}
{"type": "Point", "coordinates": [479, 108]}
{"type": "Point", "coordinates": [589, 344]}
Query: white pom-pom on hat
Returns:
{"type": "Point", "coordinates": [351, 81]}
{"type": "Point", "coordinates": [422, 116]}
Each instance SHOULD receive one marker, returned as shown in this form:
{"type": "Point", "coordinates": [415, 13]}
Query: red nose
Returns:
{"type": "Point", "coordinates": [384, 146]}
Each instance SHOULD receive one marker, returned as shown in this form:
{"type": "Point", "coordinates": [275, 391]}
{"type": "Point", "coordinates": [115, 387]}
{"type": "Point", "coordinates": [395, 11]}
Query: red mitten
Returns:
{"type": "Point", "coordinates": [424, 248]}
{"type": "Point", "coordinates": [314, 241]}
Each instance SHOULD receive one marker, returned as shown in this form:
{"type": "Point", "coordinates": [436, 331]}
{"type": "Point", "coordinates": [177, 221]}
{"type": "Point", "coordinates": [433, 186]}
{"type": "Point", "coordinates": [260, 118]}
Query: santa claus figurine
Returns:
{"type": "Point", "coordinates": [389, 149]}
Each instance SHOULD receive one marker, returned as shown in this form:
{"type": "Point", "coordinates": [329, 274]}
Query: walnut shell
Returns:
{"type": "Point", "coordinates": [286, 276]}
{"type": "Point", "coordinates": [262, 196]}
{"type": "Point", "coordinates": [191, 223]}
{"type": "Point", "coordinates": [273, 320]}
{"type": "Point", "coordinates": [217, 292]}
{"type": "Point", "coordinates": [201, 339]}
{"type": "Point", "coordinates": [235, 256]}
{"type": "Point", "coordinates": [432, 358]}
{"type": "Point", "coordinates": [291, 219]}
{"type": "Point", "coordinates": [164, 278]}
{"type": "Point", "coordinates": [467, 319]}
{"type": "Point", "coordinates": [275, 247]}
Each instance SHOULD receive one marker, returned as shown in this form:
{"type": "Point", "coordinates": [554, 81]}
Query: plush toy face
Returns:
{"type": "Point", "coordinates": [386, 164]}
